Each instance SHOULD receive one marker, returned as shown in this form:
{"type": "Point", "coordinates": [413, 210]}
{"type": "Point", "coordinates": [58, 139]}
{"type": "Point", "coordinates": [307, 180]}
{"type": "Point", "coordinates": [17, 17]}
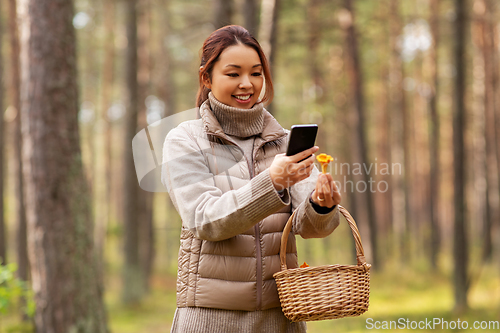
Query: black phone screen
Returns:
{"type": "Point", "coordinates": [302, 137]}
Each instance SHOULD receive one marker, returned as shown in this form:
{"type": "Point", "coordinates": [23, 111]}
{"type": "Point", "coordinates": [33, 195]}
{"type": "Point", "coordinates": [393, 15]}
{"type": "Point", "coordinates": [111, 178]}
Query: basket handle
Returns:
{"type": "Point", "coordinates": [360, 253]}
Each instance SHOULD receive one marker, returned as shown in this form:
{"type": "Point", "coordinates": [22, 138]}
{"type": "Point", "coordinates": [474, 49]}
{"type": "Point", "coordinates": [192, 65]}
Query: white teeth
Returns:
{"type": "Point", "coordinates": [243, 98]}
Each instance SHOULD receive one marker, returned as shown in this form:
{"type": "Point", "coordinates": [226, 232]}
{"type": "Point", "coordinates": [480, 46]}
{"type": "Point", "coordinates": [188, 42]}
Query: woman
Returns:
{"type": "Point", "coordinates": [235, 189]}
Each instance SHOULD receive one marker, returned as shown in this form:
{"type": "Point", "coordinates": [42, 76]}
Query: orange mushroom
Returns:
{"type": "Point", "coordinates": [304, 265]}
{"type": "Point", "coordinates": [324, 159]}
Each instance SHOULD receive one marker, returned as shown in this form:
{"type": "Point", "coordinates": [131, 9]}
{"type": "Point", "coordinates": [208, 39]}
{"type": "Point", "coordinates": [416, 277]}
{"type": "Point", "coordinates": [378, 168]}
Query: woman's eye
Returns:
{"type": "Point", "coordinates": [232, 74]}
{"type": "Point", "coordinates": [256, 74]}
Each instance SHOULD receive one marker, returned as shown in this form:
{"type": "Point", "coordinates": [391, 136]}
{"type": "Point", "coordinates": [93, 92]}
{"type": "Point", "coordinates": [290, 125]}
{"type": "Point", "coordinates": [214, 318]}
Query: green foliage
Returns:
{"type": "Point", "coordinates": [12, 289]}
{"type": "Point", "coordinates": [25, 327]}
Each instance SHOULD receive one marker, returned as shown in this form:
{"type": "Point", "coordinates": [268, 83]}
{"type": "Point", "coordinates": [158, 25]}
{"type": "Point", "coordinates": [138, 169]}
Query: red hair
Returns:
{"type": "Point", "coordinates": [217, 42]}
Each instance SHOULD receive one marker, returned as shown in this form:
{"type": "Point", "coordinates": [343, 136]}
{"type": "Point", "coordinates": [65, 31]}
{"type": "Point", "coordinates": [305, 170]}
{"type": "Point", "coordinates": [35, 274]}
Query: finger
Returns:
{"type": "Point", "coordinates": [326, 190]}
{"type": "Point", "coordinates": [306, 171]}
{"type": "Point", "coordinates": [331, 182]}
{"type": "Point", "coordinates": [303, 154]}
{"type": "Point", "coordinates": [336, 191]}
{"type": "Point", "coordinates": [316, 198]}
{"type": "Point", "coordinates": [330, 199]}
{"type": "Point", "coordinates": [318, 192]}
{"type": "Point", "coordinates": [336, 196]}
{"type": "Point", "coordinates": [318, 184]}
{"type": "Point", "coordinates": [317, 189]}
{"type": "Point", "coordinates": [308, 161]}
{"type": "Point", "coordinates": [320, 198]}
{"type": "Point", "coordinates": [328, 176]}
{"type": "Point", "coordinates": [323, 190]}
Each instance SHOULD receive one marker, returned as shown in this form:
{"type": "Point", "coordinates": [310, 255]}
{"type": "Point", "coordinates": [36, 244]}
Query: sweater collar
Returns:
{"type": "Point", "coordinates": [270, 130]}
{"type": "Point", "coordinates": [242, 123]}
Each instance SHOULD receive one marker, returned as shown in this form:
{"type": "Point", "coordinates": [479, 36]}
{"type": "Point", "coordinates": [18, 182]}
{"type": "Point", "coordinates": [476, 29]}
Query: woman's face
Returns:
{"type": "Point", "coordinates": [237, 77]}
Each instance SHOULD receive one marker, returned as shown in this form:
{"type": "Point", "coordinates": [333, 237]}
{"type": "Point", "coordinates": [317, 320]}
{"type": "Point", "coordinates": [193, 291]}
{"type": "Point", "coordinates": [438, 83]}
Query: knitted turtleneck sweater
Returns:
{"type": "Point", "coordinates": [242, 123]}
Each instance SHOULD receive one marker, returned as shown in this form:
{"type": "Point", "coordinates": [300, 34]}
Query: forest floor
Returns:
{"type": "Point", "coordinates": [406, 298]}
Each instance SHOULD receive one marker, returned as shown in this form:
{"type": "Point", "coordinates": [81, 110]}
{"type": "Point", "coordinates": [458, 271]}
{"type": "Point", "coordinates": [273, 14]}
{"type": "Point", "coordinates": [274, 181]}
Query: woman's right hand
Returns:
{"type": "Point", "coordinates": [286, 171]}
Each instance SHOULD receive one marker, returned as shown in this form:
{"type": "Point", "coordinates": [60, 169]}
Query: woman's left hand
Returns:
{"type": "Point", "coordinates": [326, 193]}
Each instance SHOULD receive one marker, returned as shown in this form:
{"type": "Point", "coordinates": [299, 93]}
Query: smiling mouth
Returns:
{"type": "Point", "coordinates": [243, 98]}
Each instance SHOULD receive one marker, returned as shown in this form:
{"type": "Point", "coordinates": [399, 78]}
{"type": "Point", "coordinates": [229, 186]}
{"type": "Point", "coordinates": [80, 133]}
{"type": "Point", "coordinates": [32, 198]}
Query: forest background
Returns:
{"type": "Point", "coordinates": [407, 98]}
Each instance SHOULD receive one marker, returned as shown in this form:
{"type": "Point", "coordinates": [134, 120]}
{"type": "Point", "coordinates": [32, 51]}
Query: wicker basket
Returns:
{"type": "Point", "coordinates": [324, 292]}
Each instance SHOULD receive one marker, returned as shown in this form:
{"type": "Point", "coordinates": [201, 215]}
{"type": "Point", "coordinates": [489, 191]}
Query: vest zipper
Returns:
{"type": "Point", "coordinates": [259, 266]}
{"type": "Point", "coordinates": [258, 250]}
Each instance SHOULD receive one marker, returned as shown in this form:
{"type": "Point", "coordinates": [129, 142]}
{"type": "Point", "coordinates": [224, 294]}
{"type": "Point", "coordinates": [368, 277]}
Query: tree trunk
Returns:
{"type": "Point", "coordinates": [133, 277]}
{"type": "Point", "coordinates": [267, 33]}
{"type": "Point", "coordinates": [145, 199]}
{"type": "Point", "coordinates": [409, 196]}
{"type": "Point", "coordinates": [108, 82]}
{"type": "Point", "coordinates": [495, 38]}
{"type": "Point", "coordinates": [313, 41]}
{"type": "Point", "coordinates": [268, 28]}
{"type": "Point", "coordinates": [3, 247]}
{"type": "Point", "coordinates": [479, 205]}
{"type": "Point", "coordinates": [166, 85]}
{"type": "Point", "coordinates": [250, 16]}
{"type": "Point", "coordinates": [21, 236]}
{"type": "Point", "coordinates": [493, 117]}
{"type": "Point", "coordinates": [68, 295]}
{"type": "Point", "coordinates": [398, 153]}
{"type": "Point", "coordinates": [384, 139]}
{"type": "Point", "coordinates": [460, 244]}
{"type": "Point", "coordinates": [364, 202]}
{"type": "Point", "coordinates": [494, 43]}
{"type": "Point", "coordinates": [223, 13]}
{"type": "Point", "coordinates": [434, 139]}
{"type": "Point", "coordinates": [483, 8]}
{"type": "Point", "coordinates": [419, 161]}
{"type": "Point", "coordinates": [103, 136]}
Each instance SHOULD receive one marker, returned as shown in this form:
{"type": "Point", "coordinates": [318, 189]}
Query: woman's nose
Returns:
{"type": "Point", "coordinates": [245, 82]}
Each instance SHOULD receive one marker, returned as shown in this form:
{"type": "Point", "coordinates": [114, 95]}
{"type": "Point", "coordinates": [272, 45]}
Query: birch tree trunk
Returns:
{"type": "Point", "coordinates": [68, 293]}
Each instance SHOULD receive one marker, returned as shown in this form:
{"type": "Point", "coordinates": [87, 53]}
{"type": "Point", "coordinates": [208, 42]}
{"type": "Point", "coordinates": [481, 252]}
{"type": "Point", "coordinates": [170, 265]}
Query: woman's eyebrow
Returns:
{"type": "Point", "coordinates": [238, 66]}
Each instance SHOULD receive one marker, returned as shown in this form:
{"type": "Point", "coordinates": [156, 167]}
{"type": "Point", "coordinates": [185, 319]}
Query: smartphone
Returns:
{"type": "Point", "coordinates": [302, 137]}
